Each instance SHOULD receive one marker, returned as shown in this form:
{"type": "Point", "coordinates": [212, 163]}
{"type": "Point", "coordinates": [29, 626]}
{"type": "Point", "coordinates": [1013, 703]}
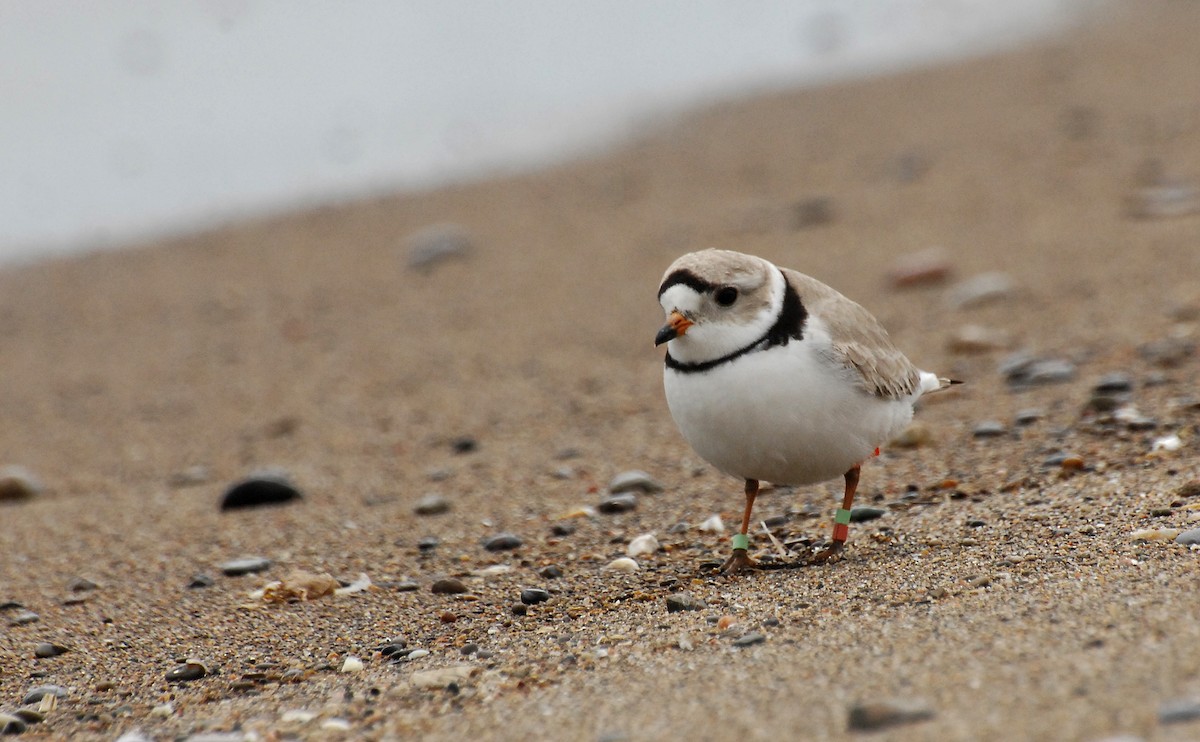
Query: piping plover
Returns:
{"type": "Point", "coordinates": [772, 375]}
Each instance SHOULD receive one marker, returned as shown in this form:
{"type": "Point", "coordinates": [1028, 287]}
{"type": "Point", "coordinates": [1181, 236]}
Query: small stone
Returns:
{"type": "Point", "coordinates": [46, 650]}
{"type": "Point", "coordinates": [1028, 416]}
{"type": "Point", "coordinates": [748, 640]}
{"type": "Point", "coordinates": [914, 435]}
{"type": "Point", "coordinates": [81, 585]}
{"type": "Point", "coordinates": [647, 543]}
{"type": "Point", "coordinates": [621, 503]}
{"type": "Point", "coordinates": [200, 580]}
{"type": "Point", "coordinates": [190, 670]}
{"type": "Point", "coordinates": [989, 429]}
{"type": "Point", "coordinates": [352, 664]}
{"type": "Point", "coordinates": [23, 617]}
{"type": "Point", "coordinates": [868, 717]}
{"type": "Point", "coordinates": [550, 572]}
{"type": "Point", "coordinates": [1155, 534]}
{"type": "Point", "coordinates": [38, 692]}
{"type": "Point", "coordinates": [864, 514]}
{"type": "Point", "coordinates": [502, 542]}
{"type": "Point", "coordinates": [260, 488]}
{"type": "Point", "coordinates": [1189, 538]}
{"type": "Point", "coordinates": [1163, 199]}
{"type": "Point", "coordinates": [448, 586]}
{"type": "Point", "coordinates": [1177, 712]}
{"type": "Point", "coordinates": [634, 481]}
{"type": "Point", "coordinates": [244, 566]}
{"type": "Point", "coordinates": [977, 339]}
{"type": "Point", "coordinates": [432, 505]}
{"type": "Point", "coordinates": [18, 483]}
{"type": "Point", "coordinates": [534, 595]}
{"type": "Point", "coordinates": [622, 564]}
{"type": "Point", "coordinates": [713, 524]}
{"type": "Point", "coordinates": [10, 724]}
{"type": "Point", "coordinates": [464, 444]}
{"type": "Point", "coordinates": [1117, 382]}
{"type": "Point", "coordinates": [922, 268]}
{"type": "Point", "coordinates": [677, 602]}
{"type": "Point", "coordinates": [428, 543]}
{"type": "Point", "coordinates": [984, 288]}
{"type": "Point", "coordinates": [437, 243]}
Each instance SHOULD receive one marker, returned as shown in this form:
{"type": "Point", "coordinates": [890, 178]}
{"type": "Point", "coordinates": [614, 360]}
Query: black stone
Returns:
{"type": "Point", "coordinates": [502, 542]}
{"type": "Point", "coordinates": [257, 490]}
{"type": "Point", "coordinates": [534, 595]}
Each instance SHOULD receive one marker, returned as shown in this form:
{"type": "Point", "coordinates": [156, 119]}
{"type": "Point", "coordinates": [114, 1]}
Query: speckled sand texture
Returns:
{"type": "Point", "coordinates": [1002, 593]}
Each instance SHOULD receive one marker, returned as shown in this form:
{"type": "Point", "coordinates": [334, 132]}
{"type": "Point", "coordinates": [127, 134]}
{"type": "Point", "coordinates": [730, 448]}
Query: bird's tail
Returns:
{"type": "Point", "coordinates": [934, 383]}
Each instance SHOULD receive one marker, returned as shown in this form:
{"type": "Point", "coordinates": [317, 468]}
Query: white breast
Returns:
{"type": "Point", "coordinates": [785, 415]}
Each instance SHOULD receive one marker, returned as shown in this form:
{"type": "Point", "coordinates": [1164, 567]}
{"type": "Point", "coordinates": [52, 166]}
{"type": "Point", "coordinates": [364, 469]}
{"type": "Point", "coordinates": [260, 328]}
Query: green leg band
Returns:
{"type": "Point", "coordinates": [843, 516]}
{"type": "Point", "coordinates": [741, 541]}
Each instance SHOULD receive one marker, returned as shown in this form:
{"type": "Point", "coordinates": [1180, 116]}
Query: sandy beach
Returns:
{"type": "Point", "coordinates": [1021, 581]}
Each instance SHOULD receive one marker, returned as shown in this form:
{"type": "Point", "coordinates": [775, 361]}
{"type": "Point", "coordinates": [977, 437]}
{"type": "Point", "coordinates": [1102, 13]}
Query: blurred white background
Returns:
{"type": "Point", "coordinates": [124, 120]}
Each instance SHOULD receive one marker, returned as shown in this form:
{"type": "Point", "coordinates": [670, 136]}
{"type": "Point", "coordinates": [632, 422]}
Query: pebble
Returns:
{"type": "Point", "coordinates": [647, 543]}
{"type": "Point", "coordinates": [1176, 712]}
{"type": "Point", "coordinates": [1189, 538]}
{"type": "Point", "coordinates": [534, 595]}
{"type": "Point", "coordinates": [749, 640]}
{"type": "Point", "coordinates": [437, 243]}
{"type": "Point", "coordinates": [432, 505]}
{"type": "Point", "coordinates": [621, 503]}
{"type": "Point", "coordinates": [677, 602]}
{"type": "Point", "coordinates": [46, 650]}
{"type": "Point", "coordinates": [989, 429]}
{"type": "Point", "coordinates": [259, 488]}
{"type": "Point", "coordinates": [18, 483]}
{"type": "Point", "coordinates": [922, 268]}
{"type": "Point", "coordinates": [1161, 200]}
{"type": "Point", "coordinates": [448, 586]}
{"type": "Point", "coordinates": [244, 566]}
{"type": "Point", "coordinates": [634, 481]}
{"type": "Point", "coordinates": [502, 542]}
{"type": "Point", "coordinates": [864, 514]}
{"type": "Point", "coordinates": [428, 543]}
{"type": "Point", "coordinates": [38, 692]}
{"type": "Point", "coordinates": [352, 664]}
{"type": "Point", "coordinates": [1155, 534]}
{"type": "Point", "coordinates": [979, 290]}
{"type": "Point", "coordinates": [1117, 382]}
{"type": "Point", "coordinates": [713, 524]}
{"type": "Point", "coordinates": [1022, 370]}
{"type": "Point", "coordinates": [10, 724]}
{"type": "Point", "coordinates": [867, 717]}
{"type": "Point", "coordinates": [191, 670]}
{"type": "Point", "coordinates": [23, 618]}
{"type": "Point", "coordinates": [977, 339]}
{"type": "Point", "coordinates": [1028, 416]}
{"type": "Point", "coordinates": [200, 580]}
{"type": "Point", "coordinates": [622, 564]}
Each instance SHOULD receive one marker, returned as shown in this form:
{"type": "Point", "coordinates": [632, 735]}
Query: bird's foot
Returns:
{"type": "Point", "coordinates": [828, 554]}
{"type": "Point", "coordinates": [739, 561]}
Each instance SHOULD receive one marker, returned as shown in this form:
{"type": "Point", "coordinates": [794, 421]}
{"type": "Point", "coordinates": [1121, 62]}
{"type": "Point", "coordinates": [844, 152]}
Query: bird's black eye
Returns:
{"type": "Point", "coordinates": [726, 296]}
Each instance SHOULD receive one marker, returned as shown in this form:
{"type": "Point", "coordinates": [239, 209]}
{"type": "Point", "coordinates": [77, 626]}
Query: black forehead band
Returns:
{"type": "Point", "coordinates": [687, 278]}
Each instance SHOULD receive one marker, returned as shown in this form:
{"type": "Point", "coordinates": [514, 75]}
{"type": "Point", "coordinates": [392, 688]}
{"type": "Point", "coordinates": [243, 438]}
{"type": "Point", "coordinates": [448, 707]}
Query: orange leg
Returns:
{"type": "Point", "coordinates": [841, 524]}
{"type": "Point", "coordinates": [740, 560]}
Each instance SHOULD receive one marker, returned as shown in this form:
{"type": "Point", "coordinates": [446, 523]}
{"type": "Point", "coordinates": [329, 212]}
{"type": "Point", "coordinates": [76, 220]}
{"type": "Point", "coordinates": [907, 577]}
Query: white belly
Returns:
{"type": "Point", "coordinates": [789, 420]}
